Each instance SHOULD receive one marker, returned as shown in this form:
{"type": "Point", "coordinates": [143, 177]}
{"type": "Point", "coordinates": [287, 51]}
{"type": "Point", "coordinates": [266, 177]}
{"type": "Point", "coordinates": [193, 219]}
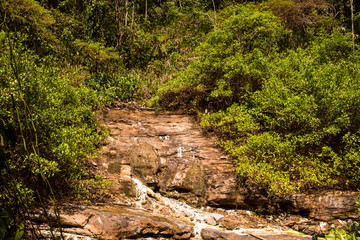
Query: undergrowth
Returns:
{"type": "Point", "coordinates": [287, 114]}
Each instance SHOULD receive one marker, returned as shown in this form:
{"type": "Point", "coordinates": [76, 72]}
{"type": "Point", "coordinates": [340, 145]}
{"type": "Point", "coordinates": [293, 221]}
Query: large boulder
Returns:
{"type": "Point", "coordinates": [118, 222]}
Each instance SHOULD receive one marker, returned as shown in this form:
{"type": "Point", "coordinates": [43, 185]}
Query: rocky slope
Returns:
{"type": "Point", "coordinates": [161, 166]}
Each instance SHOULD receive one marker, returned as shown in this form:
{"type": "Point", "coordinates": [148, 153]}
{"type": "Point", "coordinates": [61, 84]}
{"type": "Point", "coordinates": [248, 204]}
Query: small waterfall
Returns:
{"type": "Point", "coordinates": [199, 217]}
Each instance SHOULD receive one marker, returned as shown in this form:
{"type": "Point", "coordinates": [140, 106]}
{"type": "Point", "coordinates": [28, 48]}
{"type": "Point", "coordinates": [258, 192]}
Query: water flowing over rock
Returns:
{"type": "Point", "coordinates": [169, 153]}
{"type": "Point", "coordinates": [172, 155]}
{"type": "Point", "coordinates": [176, 184]}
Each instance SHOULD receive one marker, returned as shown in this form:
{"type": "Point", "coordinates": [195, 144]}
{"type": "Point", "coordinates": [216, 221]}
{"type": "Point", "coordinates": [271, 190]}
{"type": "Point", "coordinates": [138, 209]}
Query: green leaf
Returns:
{"type": "Point", "coordinates": [19, 231]}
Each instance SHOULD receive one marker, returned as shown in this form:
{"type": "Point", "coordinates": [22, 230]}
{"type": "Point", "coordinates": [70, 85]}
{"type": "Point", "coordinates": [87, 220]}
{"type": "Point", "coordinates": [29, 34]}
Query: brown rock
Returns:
{"type": "Point", "coordinates": [118, 222]}
{"type": "Point", "coordinates": [171, 153]}
{"type": "Point", "coordinates": [215, 234]}
{"type": "Point", "coordinates": [145, 162]}
{"type": "Point", "coordinates": [122, 222]}
{"type": "Point", "coordinates": [230, 222]}
{"type": "Point", "coordinates": [325, 206]}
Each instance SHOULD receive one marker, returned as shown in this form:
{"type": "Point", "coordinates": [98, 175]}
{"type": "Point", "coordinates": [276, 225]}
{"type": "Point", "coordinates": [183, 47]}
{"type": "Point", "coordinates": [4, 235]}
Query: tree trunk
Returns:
{"type": "Point", "coordinates": [146, 10]}
{"type": "Point", "coordinates": [352, 23]}
{"type": "Point", "coordinates": [180, 4]}
{"type": "Point", "coordinates": [118, 22]}
{"type": "Point", "coordinates": [132, 15]}
{"type": "Point", "coordinates": [214, 12]}
{"type": "Point", "coordinates": [126, 12]}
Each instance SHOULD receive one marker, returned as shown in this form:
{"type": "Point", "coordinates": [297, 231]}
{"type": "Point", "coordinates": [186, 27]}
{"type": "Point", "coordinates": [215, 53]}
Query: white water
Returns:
{"type": "Point", "coordinates": [179, 153]}
{"type": "Point", "coordinates": [199, 217]}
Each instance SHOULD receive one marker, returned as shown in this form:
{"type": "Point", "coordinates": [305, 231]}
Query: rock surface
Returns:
{"type": "Point", "coordinates": [168, 152]}
{"type": "Point", "coordinates": [120, 222]}
{"type": "Point", "coordinates": [326, 206]}
{"type": "Point", "coordinates": [214, 234]}
{"type": "Point", "coordinates": [172, 155]}
{"type": "Point", "coordinates": [217, 234]}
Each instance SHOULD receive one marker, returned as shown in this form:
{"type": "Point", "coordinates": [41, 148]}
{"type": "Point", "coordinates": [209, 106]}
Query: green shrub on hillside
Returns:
{"type": "Point", "coordinates": [289, 116]}
{"type": "Point", "coordinates": [126, 88]}
{"type": "Point", "coordinates": [231, 62]}
{"type": "Point", "coordinates": [47, 128]}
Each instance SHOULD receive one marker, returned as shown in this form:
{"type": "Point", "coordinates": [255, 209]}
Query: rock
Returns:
{"type": "Point", "coordinates": [145, 162]}
{"type": "Point", "coordinates": [125, 171]}
{"type": "Point", "coordinates": [210, 220]}
{"type": "Point", "coordinates": [172, 154]}
{"type": "Point", "coordinates": [230, 222]}
{"type": "Point", "coordinates": [217, 216]}
{"type": "Point", "coordinates": [174, 157]}
{"type": "Point", "coordinates": [120, 222]}
{"type": "Point", "coordinates": [195, 179]}
{"type": "Point", "coordinates": [215, 234]}
{"type": "Point", "coordinates": [126, 186]}
{"type": "Point", "coordinates": [75, 219]}
{"type": "Point", "coordinates": [325, 206]}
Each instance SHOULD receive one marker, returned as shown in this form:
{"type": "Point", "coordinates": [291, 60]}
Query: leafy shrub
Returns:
{"type": "Point", "coordinates": [124, 88]}
{"type": "Point", "coordinates": [47, 128]}
{"type": "Point", "coordinates": [334, 234]}
{"type": "Point", "coordinates": [287, 115]}
{"type": "Point", "coordinates": [231, 62]}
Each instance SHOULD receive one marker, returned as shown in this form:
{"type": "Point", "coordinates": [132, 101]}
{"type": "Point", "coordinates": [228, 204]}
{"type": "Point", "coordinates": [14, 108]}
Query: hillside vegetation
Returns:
{"type": "Point", "coordinates": [283, 98]}
{"type": "Point", "coordinates": [277, 81]}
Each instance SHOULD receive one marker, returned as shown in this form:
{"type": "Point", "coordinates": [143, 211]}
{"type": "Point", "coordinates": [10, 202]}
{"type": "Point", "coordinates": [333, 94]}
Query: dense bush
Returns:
{"type": "Point", "coordinates": [288, 115]}
{"type": "Point", "coordinates": [125, 88]}
{"type": "Point", "coordinates": [47, 125]}
{"type": "Point", "coordinates": [232, 61]}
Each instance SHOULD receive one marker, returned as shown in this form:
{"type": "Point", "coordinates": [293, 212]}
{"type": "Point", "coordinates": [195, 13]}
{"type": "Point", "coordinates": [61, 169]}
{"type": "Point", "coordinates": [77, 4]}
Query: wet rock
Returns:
{"type": "Point", "coordinates": [195, 179]}
{"type": "Point", "coordinates": [215, 234]}
{"type": "Point", "coordinates": [119, 222]}
{"type": "Point", "coordinates": [125, 171]}
{"type": "Point", "coordinates": [307, 229]}
{"type": "Point", "coordinates": [126, 186]}
{"type": "Point", "coordinates": [231, 222]}
{"type": "Point", "coordinates": [210, 220]}
{"type": "Point", "coordinates": [170, 153]}
{"type": "Point", "coordinates": [145, 162]}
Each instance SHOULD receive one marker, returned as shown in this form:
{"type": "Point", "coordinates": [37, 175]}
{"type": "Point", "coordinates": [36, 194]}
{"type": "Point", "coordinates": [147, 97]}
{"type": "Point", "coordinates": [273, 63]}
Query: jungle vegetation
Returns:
{"type": "Point", "coordinates": [277, 81]}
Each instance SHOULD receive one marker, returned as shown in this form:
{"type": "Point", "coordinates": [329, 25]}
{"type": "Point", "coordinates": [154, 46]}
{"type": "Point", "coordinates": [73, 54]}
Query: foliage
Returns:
{"type": "Point", "coordinates": [112, 87]}
{"type": "Point", "coordinates": [287, 114]}
{"type": "Point", "coordinates": [334, 234]}
{"type": "Point", "coordinates": [228, 63]}
{"type": "Point", "coordinates": [277, 80]}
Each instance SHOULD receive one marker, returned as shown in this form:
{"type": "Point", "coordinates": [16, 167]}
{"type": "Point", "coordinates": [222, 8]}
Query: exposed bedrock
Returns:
{"type": "Point", "coordinates": [118, 222]}
{"type": "Point", "coordinates": [169, 153]}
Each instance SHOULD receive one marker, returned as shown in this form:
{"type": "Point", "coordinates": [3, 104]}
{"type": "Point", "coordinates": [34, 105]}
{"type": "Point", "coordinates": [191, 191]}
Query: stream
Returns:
{"type": "Point", "coordinates": [169, 180]}
{"type": "Point", "coordinates": [200, 218]}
